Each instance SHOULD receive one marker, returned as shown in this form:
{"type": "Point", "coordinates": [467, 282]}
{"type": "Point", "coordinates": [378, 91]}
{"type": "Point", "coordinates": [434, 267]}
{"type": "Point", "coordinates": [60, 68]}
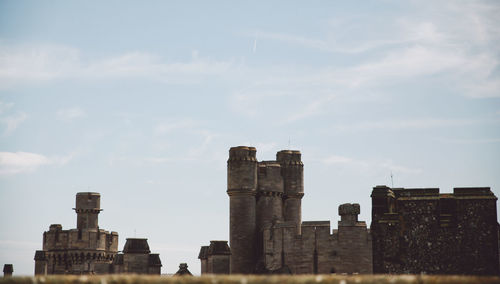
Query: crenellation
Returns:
{"type": "Point", "coordinates": [267, 234]}
{"type": "Point", "coordinates": [87, 249]}
{"type": "Point", "coordinates": [429, 232]}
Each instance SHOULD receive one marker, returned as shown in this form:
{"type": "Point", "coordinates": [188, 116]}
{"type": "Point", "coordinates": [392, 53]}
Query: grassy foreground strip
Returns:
{"type": "Point", "coordinates": [244, 279]}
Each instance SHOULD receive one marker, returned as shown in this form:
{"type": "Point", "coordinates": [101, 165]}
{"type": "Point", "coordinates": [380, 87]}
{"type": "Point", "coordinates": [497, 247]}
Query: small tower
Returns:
{"type": "Point", "coordinates": [88, 207]}
{"type": "Point", "coordinates": [241, 188]}
{"type": "Point", "coordinates": [292, 170]}
{"type": "Point", "coordinates": [7, 270]}
{"type": "Point", "coordinates": [349, 214]}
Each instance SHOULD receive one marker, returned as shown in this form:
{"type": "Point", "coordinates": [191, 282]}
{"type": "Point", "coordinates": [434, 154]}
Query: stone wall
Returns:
{"type": "Point", "coordinates": [90, 250]}
{"type": "Point", "coordinates": [422, 231]}
{"type": "Point", "coordinates": [317, 251]}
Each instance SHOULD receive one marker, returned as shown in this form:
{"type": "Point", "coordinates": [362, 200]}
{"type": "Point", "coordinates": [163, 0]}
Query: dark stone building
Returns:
{"type": "Point", "coordinates": [215, 258]}
{"type": "Point", "coordinates": [8, 269]}
{"type": "Point", "coordinates": [137, 258]}
{"type": "Point", "coordinates": [422, 231]}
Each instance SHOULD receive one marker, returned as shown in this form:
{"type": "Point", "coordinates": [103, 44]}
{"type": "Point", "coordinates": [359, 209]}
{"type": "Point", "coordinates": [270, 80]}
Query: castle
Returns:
{"type": "Point", "coordinates": [412, 230]}
{"type": "Point", "coordinates": [266, 230]}
{"type": "Point", "coordinates": [91, 250]}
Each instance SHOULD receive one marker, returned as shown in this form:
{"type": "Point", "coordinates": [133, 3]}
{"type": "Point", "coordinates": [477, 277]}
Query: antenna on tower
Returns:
{"type": "Point", "coordinates": [392, 180]}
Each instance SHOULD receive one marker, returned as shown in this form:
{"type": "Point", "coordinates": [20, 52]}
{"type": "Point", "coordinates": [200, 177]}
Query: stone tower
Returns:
{"type": "Point", "coordinates": [241, 188]}
{"type": "Point", "coordinates": [292, 170]}
{"type": "Point", "coordinates": [88, 207]}
{"type": "Point", "coordinates": [267, 234]}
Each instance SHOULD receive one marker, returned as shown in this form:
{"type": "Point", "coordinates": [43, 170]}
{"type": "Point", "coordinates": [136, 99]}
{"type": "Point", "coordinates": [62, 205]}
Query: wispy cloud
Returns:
{"type": "Point", "coordinates": [367, 165]}
{"type": "Point", "coordinates": [11, 122]}
{"type": "Point", "coordinates": [12, 163]}
{"type": "Point", "coordinates": [43, 63]}
{"type": "Point", "coordinates": [69, 114]}
{"type": "Point", "coordinates": [402, 124]}
{"type": "Point", "coordinates": [5, 106]}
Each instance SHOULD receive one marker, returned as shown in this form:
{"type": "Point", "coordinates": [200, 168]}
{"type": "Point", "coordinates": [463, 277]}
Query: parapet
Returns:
{"type": "Point", "coordinates": [316, 224]}
{"type": "Point", "coordinates": [242, 153]}
{"type": "Point", "coordinates": [136, 245]}
{"type": "Point", "coordinates": [289, 157]}
{"type": "Point", "coordinates": [416, 193]}
{"type": "Point", "coordinates": [218, 248]}
{"type": "Point", "coordinates": [473, 193]}
{"type": "Point", "coordinates": [55, 227]}
{"type": "Point", "coordinates": [88, 201]}
{"type": "Point", "coordinates": [382, 191]}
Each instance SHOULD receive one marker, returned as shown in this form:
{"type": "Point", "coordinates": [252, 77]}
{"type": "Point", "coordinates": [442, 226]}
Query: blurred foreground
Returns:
{"type": "Point", "coordinates": [243, 279]}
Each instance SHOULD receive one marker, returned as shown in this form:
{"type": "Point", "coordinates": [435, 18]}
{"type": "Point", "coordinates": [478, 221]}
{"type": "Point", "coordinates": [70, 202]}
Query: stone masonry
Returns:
{"type": "Point", "coordinates": [267, 234]}
{"type": "Point", "coordinates": [88, 249]}
{"type": "Point", "coordinates": [422, 231]}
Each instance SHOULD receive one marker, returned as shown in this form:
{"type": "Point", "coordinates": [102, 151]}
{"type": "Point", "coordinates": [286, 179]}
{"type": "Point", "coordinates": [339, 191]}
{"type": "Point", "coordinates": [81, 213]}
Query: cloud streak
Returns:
{"type": "Point", "coordinates": [46, 63]}
{"type": "Point", "coordinates": [12, 163]}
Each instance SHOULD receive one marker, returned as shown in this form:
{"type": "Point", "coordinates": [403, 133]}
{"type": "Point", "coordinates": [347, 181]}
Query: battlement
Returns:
{"type": "Point", "coordinates": [316, 224]}
{"type": "Point", "coordinates": [293, 157]}
{"type": "Point", "coordinates": [55, 227]}
{"type": "Point", "coordinates": [426, 220]}
{"type": "Point", "coordinates": [88, 201]}
{"type": "Point", "coordinates": [432, 193]}
{"type": "Point", "coordinates": [242, 153]}
{"type": "Point", "coordinates": [473, 193]}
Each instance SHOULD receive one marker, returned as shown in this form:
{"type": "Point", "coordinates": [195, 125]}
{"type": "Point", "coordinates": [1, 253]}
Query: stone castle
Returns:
{"type": "Point", "coordinates": [266, 230]}
{"type": "Point", "coordinates": [412, 230]}
{"type": "Point", "coordinates": [91, 250]}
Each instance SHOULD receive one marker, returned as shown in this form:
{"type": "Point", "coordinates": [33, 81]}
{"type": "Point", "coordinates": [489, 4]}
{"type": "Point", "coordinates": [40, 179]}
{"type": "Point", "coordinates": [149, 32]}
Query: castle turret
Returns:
{"type": "Point", "coordinates": [292, 170]}
{"type": "Point", "coordinates": [88, 207]}
{"type": "Point", "coordinates": [241, 188]}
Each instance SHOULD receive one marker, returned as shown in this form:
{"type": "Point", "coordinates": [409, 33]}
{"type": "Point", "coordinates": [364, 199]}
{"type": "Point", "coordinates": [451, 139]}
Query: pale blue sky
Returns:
{"type": "Point", "coordinates": [141, 100]}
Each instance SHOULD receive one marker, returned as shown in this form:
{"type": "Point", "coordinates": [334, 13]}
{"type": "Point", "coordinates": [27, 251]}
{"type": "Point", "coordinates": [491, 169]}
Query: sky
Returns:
{"type": "Point", "coordinates": [141, 101]}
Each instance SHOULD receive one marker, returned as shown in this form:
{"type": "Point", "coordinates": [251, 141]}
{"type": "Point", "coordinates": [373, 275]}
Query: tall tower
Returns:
{"type": "Point", "coordinates": [292, 170]}
{"type": "Point", "coordinates": [241, 188]}
{"type": "Point", "coordinates": [88, 207]}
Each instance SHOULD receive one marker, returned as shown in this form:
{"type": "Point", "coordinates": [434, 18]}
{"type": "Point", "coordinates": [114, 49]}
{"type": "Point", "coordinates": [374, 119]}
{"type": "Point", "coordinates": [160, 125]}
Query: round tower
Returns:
{"type": "Point", "coordinates": [292, 170]}
{"type": "Point", "coordinates": [88, 207]}
{"type": "Point", "coordinates": [241, 188]}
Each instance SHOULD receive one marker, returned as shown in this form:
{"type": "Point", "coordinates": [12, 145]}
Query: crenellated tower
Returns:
{"type": "Point", "coordinates": [88, 207]}
{"type": "Point", "coordinates": [292, 170]}
{"type": "Point", "coordinates": [242, 188]}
